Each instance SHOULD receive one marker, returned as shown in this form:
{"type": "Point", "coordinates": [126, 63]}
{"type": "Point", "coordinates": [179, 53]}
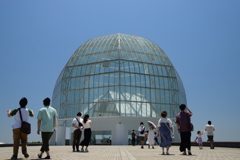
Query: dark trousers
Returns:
{"type": "Point", "coordinates": [87, 137]}
{"type": "Point", "coordinates": [45, 141]}
{"type": "Point", "coordinates": [133, 141]}
{"type": "Point", "coordinates": [76, 139]}
{"type": "Point", "coordinates": [156, 140]}
{"type": "Point", "coordinates": [185, 141]}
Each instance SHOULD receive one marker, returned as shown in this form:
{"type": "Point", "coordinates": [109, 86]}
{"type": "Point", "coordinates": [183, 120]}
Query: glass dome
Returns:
{"type": "Point", "coordinates": [118, 75]}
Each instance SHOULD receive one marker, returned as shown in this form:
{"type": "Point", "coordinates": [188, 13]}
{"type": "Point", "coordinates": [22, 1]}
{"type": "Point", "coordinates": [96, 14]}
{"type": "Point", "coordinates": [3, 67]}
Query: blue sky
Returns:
{"type": "Point", "coordinates": [201, 38]}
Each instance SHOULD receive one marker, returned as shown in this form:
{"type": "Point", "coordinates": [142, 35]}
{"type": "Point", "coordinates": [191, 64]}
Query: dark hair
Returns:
{"type": "Point", "coordinates": [141, 123]}
{"type": "Point", "coordinates": [182, 107]}
{"type": "Point", "coordinates": [46, 101]}
{"type": "Point", "coordinates": [198, 132]}
{"type": "Point", "coordinates": [23, 102]}
{"type": "Point", "coordinates": [85, 118]}
{"type": "Point", "coordinates": [133, 130]}
{"type": "Point", "coordinates": [164, 114]}
{"type": "Point", "coordinates": [209, 122]}
{"type": "Point", "coordinates": [79, 114]}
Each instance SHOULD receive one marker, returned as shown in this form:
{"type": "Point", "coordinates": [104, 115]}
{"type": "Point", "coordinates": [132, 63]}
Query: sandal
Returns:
{"type": "Point", "coordinates": [39, 156]}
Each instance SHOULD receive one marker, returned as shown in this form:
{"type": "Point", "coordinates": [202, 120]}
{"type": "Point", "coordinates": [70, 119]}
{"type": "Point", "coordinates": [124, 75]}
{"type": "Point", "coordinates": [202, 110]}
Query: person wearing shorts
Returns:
{"type": "Point", "coordinates": [210, 128]}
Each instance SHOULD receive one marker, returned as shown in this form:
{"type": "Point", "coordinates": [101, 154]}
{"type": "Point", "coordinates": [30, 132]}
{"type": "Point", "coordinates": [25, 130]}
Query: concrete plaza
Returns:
{"type": "Point", "coordinates": [98, 152]}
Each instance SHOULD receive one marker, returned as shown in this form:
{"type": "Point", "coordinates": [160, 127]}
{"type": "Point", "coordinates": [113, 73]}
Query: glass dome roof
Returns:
{"type": "Point", "coordinates": [118, 75]}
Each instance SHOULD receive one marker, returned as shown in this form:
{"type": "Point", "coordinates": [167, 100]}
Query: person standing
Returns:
{"type": "Point", "coordinates": [87, 123]}
{"type": "Point", "coordinates": [155, 138]}
{"type": "Point", "coordinates": [18, 135]}
{"type": "Point", "coordinates": [46, 126]}
{"type": "Point", "coordinates": [133, 137]}
{"type": "Point", "coordinates": [150, 137]}
{"type": "Point", "coordinates": [183, 121]}
{"type": "Point", "coordinates": [141, 134]}
{"type": "Point", "coordinates": [210, 128]}
{"type": "Point", "coordinates": [77, 125]}
{"type": "Point", "coordinates": [166, 132]}
{"type": "Point", "coordinates": [198, 138]}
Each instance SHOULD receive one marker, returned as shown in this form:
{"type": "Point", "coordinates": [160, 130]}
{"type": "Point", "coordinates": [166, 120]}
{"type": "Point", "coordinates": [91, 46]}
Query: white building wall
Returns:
{"type": "Point", "coordinates": [61, 135]}
{"type": "Point", "coordinates": [119, 127]}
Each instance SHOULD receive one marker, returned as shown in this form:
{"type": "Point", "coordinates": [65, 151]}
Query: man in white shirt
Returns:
{"type": "Point", "coordinates": [17, 133]}
{"type": "Point", "coordinates": [77, 125]}
{"type": "Point", "coordinates": [210, 128]}
{"type": "Point", "coordinates": [141, 135]}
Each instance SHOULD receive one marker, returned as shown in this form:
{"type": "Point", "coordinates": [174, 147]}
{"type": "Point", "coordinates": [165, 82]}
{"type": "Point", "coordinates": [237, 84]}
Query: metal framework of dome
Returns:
{"type": "Point", "coordinates": [118, 75]}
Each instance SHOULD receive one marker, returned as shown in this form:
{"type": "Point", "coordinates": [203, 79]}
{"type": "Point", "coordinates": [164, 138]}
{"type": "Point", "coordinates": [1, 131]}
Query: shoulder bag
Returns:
{"type": "Point", "coordinates": [191, 127]}
{"type": "Point", "coordinates": [26, 127]}
{"type": "Point", "coordinates": [79, 123]}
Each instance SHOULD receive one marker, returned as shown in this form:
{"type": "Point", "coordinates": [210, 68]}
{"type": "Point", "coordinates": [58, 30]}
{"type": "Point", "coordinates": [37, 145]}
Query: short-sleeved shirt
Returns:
{"type": "Point", "coordinates": [165, 120]}
{"type": "Point", "coordinates": [183, 120]}
{"type": "Point", "coordinates": [17, 119]}
{"type": "Point", "coordinates": [87, 124]}
{"type": "Point", "coordinates": [209, 129]}
{"type": "Point", "coordinates": [133, 134]}
{"type": "Point", "coordinates": [76, 123]}
{"type": "Point", "coordinates": [141, 129]}
{"type": "Point", "coordinates": [46, 115]}
{"type": "Point", "coordinates": [199, 135]}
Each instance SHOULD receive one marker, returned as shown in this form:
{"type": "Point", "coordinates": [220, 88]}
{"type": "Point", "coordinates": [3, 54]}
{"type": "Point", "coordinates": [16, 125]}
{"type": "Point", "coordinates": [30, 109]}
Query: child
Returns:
{"type": "Point", "coordinates": [199, 138]}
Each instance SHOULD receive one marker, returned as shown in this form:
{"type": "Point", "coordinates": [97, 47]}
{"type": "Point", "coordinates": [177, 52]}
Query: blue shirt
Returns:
{"type": "Point", "coordinates": [46, 115]}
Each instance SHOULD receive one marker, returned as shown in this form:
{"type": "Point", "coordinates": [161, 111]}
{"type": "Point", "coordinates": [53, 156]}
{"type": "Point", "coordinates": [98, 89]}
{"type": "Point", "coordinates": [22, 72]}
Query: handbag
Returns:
{"type": "Point", "coordinates": [26, 127]}
{"type": "Point", "coordinates": [191, 127]}
{"type": "Point", "coordinates": [142, 132]}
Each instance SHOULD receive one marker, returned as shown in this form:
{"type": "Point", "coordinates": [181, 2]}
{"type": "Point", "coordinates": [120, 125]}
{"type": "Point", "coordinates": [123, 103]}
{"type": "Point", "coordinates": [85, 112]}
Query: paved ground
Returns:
{"type": "Point", "coordinates": [127, 153]}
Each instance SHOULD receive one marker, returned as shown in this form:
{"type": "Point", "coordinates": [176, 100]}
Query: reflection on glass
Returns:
{"type": "Point", "coordinates": [118, 75]}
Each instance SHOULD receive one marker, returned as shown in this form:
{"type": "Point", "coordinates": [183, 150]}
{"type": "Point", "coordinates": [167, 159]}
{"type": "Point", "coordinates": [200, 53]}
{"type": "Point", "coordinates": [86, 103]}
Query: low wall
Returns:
{"type": "Point", "coordinates": [29, 144]}
{"type": "Point", "coordinates": [216, 144]}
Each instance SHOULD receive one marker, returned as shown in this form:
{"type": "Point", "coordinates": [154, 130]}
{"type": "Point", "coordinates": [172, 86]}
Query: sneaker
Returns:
{"type": "Point", "coordinates": [78, 150]}
{"type": "Point", "coordinates": [86, 150]}
{"type": "Point", "coordinates": [142, 147]}
{"type": "Point", "coordinates": [163, 153]}
{"type": "Point", "coordinates": [48, 157]}
{"type": "Point", "coordinates": [74, 151]}
{"type": "Point", "coordinates": [26, 155]}
{"type": "Point", "coordinates": [82, 150]}
{"type": "Point", "coordinates": [184, 153]}
{"type": "Point", "coordinates": [189, 153]}
{"type": "Point", "coordinates": [152, 147]}
{"type": "Point", "coordinates": [167, 153]}
{"type": "Point", "coordinates": [14, 157]}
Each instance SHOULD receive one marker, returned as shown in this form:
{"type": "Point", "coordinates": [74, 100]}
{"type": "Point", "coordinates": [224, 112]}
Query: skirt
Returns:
{"type": "Point", "coordinates": [199, 140]}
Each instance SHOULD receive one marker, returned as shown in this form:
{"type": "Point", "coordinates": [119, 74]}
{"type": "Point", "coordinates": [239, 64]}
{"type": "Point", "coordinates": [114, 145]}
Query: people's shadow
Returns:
{"type": "Point", "coordinates": [167, 154]}
{"type": "Point", "coordinates": [188, 155]}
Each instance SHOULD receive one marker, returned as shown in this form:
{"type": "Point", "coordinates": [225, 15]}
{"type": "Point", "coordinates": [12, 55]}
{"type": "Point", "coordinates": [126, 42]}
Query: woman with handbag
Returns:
{"type": "Point", "coordinates": [165, 130]}
{"type": "Point", "coordinates": [183, 122]}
